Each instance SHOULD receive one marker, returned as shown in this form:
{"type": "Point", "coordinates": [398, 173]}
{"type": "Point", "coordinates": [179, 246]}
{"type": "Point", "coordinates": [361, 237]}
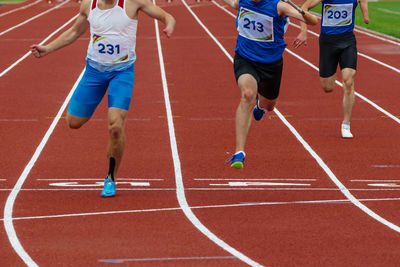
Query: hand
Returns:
{"type": "Point", "coordinates": [39, 50]}
{"type": "Point", "coordinates": [168, 32]}
{"type": "Point", "coordinates": [366, 20]}
{"type": "Point", "coordinates": [300, 39]}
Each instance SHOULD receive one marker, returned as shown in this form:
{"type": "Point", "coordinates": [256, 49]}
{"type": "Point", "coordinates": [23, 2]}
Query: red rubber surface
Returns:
{"type": "Point", "coordinates": [144, 225]}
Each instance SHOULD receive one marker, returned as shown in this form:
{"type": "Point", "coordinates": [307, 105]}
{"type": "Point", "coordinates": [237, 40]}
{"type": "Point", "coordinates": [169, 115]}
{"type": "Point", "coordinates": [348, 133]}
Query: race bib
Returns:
{"type": "Point", "coordinates": [337, 15]}
{"type": "Point", "coordinates": [108, 49]}
{"type": "Point", "coordinates": [255, 26]}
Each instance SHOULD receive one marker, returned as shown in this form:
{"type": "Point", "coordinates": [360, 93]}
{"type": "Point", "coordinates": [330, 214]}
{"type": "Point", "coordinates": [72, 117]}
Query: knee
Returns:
{"type": "Point", "coordinates": [327, 87]}
{"type": "Point", "coordinates": [249, 96]}
{"type": "Point", "coordinates": [115, 131]}
{"type": "Point", "coordinates": [348, 85]}
{"type": "Point", "coordinates": [72, 124]}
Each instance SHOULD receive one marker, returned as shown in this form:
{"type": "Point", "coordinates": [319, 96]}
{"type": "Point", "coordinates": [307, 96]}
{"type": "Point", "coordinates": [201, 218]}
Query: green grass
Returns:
{"type": "Point", "coordinates": [2, 2]}
{"type": "Point", "coordinates": [384, 17]}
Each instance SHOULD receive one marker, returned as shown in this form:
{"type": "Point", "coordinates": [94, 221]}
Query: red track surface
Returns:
{"type": "Point", "coordinates": [312, 224]}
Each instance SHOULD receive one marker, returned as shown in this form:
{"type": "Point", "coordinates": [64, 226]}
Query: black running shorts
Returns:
{"type": "Point", "coordinates": [337, 48]}
{"type": "Point", "coordinates": [267, 75]}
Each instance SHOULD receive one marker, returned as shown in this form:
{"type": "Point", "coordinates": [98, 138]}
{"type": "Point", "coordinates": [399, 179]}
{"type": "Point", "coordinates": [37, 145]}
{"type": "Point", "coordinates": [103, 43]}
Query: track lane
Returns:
{"type": "Point", "coordinates": [224, 225]}
{"type": "Point", "coordinates": [152, 148]}
{"type": "Point", "coordinates": [358, 216]}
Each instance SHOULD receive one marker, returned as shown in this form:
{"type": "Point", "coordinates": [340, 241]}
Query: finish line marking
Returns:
{"type": "Point", "coordinates": [169, 259]}
{"type": "Point", "coordinates": [244, 204]}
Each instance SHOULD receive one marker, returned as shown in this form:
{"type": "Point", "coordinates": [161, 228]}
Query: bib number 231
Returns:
{"type": "Point", "coordinates": [108, 49]}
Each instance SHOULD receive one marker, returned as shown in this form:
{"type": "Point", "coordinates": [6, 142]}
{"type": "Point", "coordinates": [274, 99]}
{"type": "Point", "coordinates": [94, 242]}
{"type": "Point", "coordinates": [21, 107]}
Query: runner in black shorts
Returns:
{"type": "Point", "coordinates": [337, 49]}
{"type": "Point", "coordinates": [337, 45]}
{"type": "Point", "coordinates": [267, 75]}
{"type": "Point", "coordinates": [258, 61]}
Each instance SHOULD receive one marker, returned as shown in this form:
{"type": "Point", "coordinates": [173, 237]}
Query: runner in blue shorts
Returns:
{"type": "Point", "coordinates": [258, 61]}
{"type": "Point", "coordinates": [337, 46]}
{"type": "Point", "coordinates": [110, 66]}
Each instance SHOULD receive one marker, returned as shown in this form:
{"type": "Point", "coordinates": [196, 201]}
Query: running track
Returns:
{"type": "Point", "coordinates": [305, 197]}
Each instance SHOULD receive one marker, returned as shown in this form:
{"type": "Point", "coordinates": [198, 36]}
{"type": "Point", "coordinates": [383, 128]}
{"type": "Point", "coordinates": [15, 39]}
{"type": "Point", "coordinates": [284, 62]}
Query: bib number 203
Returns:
{"type": "Point", "coordinates": [337, 14]}
{"type": "Point", "coordinates": [109, 49]}
{"type": "Point", "coordinates": [253, 25]}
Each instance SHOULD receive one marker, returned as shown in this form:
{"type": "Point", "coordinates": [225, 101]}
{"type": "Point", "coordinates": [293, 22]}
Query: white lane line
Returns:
{"type": "Point", "coordinates": [316, 34]}
{"type": "Point", "coordinates": [251, 179]}
{"type": "Point", "coordinates": [20, 8]}
{"type": "Point", "coordinates": [245, 204]}
{"type": "Point", "coordinates": [340, 84]}
{"type": "Point", "coordinates": [42, 42]}
{"type": "Point", "coordinates": [33, 18]}
{"type": "Point", "coordinates": [101, 179]}
{"type": "Point", "coordinates": [377, 180]}
{"type": "Point", "coordinates": [8, 209]}
{"type": "Point", "coordinates": [320, 162]}
{"type": "Point", "coordinates": [360, 54]}
{"type": "Point", "coordinates": [180, 190]}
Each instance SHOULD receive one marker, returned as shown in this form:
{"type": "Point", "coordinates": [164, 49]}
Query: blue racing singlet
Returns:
{"type": "Point", "coordinates": [260, 30]}
{"type": "Point", "coordinates": [338, 16]}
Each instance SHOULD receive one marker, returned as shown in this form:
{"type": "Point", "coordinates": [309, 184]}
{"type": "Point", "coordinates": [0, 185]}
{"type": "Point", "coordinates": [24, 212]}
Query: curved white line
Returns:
{"type": "Point", "coordinates": [322, 164]}
{"type": "Point", "coordinates": [8, 209]}
{"type": "Point", "coordinates": [325, 201]}
{"type": "Point", "coordinates": [180, 190]}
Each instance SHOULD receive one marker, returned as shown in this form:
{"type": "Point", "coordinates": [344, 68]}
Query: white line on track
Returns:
{"type": "Point", "coordinates": [360, 54]}
{"type": "Point", "coordinates": [8, 209]}
{"type": "Point", "coordinates": [100, 179]}
{"type": "Point", "coordinates": [208, 189]}
{"type": "Point", "coordinates": [180, 191]}
{"type": "Point", "coordinates": [20, 8]}
{"type": "Point", "coordinates": [340, 84]}
{"type": "Point", "coordinates": [247, 204]}
{"type": "Point", "coordinates": [306, 146]}
{"type": "Point", "coordinates": [42, 42]}
{"type": "Point", "coordinates": [33, 18]}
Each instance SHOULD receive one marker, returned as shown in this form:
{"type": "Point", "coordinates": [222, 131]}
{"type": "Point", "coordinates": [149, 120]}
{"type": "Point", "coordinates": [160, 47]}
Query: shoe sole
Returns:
{"type": "Point", "coordinates": [237, 165]}
{"type": "Point", "coordinates": [108, 195]}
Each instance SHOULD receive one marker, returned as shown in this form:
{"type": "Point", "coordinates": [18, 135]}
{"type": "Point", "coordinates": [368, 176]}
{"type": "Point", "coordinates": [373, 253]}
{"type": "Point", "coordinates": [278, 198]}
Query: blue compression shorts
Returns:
{"type": "Point", "coordinates": [93, 86]}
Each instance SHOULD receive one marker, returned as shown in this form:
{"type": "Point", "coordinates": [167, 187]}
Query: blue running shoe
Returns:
{"type": "Point", "coordinates": [237, 160]}
{"type": "Point", "coordinates": [258, 113]}
{"type": "Point", "coordinates": [109, 188]}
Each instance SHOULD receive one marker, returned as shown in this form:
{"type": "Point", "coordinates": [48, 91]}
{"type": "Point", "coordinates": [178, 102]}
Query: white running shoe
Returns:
{"type": "Point", "coordinates": [346, 133]}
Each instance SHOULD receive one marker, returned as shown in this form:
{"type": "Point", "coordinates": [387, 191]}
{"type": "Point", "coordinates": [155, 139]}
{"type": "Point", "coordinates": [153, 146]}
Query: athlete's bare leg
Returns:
{"type": "Point", "coordinates": [266, 103]}
{"type": "Point", "coordinates": [75, 122]}
{"type": "Point", "coordinates": [248, 88]}
{"type": "Point", "coordinates": [348, 93]}
{"type": "Point", "coordinates": [116, 129]}
{"type": "Point", "coordinates": [328, 83]}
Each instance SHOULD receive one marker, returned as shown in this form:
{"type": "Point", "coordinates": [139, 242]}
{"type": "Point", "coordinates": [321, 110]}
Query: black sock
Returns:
{"type": "Point", "coordinates": [111, 168]}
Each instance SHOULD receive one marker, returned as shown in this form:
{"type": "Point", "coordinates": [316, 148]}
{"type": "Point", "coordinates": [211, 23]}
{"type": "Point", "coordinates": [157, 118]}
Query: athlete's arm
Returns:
{"type": "Point", "coordinates": [302, 37]}
{"type": "Point", "coordinates": [284, 9]}
{"type": "Point", "coordinates": [364, 10]}
{"type": "Point", "coordinates": [232, 3]}
{"type": "Point", "coordinates": [69, 36]}
{"type": "Point", "coordinates": [158, 13]}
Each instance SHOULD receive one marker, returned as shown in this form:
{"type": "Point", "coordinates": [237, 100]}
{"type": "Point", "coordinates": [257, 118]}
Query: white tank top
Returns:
{"type": "Point", "coordinates": [113, 38]}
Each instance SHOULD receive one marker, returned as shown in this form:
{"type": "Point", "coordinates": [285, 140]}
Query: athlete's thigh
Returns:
{"type": "Point", "coordinates": [271, 76]}
{"type": "Point", "coordinates": [121, 88]}
{"type": "Point", "coordinates": [88, 93]}
{"type": "Point", "coordinates": [328, 59]}
{"type": "Point", "coordinates": [348, 57]}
